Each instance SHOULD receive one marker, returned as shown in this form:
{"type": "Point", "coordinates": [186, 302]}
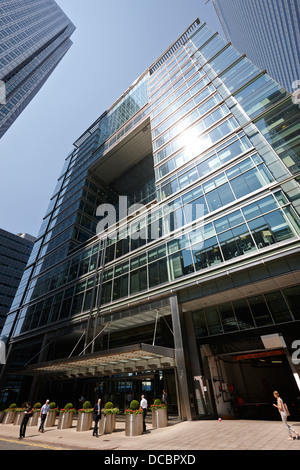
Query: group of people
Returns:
{"type": "Point", "coordinates": [281, 406]}
{"type": "Point", "coordinates": [28, 413]}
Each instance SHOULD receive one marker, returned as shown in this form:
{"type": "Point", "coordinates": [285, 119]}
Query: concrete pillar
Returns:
{"type": "Point", "coordinates": [180, 362]}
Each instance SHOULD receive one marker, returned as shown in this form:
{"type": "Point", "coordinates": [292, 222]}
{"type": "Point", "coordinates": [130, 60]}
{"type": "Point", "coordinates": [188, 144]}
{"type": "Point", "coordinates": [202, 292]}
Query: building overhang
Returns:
{"type": "Point", "coordinates": [136, 358]}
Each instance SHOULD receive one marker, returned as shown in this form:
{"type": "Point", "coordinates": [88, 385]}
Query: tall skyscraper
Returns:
{"type": "Point", "coordinates": [14, 254]}
{"type": "Point", "coordinates": [268, 32]}
{"type": "Point", "coordinates": [34, 37]}
{"type": "Point", "coordinates": [169, 255]}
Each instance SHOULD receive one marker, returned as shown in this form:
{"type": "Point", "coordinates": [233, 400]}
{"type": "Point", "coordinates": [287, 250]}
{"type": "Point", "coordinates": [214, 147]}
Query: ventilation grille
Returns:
{"type": "Point", "coordinates": [180, 41]}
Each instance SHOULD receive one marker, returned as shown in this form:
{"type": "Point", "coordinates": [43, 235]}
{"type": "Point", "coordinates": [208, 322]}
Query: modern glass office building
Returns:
{"type": "Point", "coordinates": [34, 37]}
{"type": "Point", "coordinates": [169, 255]}
{"type": "Point", "coordinates": [14, 254]}
{"type": "Point", "coordinates": [268, 32]}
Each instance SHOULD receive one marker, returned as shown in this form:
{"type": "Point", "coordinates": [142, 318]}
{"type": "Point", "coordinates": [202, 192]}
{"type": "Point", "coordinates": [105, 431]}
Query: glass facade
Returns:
{"type": "Point", "coordinates": [14, 254]}
{"type": "Point", "coordinates": [206, 147]}
{"type": "Point", "coordinates": [34, 37]}
{"type": "Point", "coordinates": [268, 32]}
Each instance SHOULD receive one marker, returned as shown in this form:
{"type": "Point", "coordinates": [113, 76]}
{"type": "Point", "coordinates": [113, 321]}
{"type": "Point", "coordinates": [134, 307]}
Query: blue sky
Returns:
{"type": "Point", "coordinates": [115, 41]}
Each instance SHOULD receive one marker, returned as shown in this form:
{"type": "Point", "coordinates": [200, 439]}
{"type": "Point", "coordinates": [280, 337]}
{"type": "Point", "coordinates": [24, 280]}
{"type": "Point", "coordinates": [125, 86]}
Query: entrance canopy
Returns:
{"type": "Point", "coordinates": [135, 358]}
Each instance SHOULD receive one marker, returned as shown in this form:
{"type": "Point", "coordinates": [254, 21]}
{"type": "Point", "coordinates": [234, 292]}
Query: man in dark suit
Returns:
{"type": "Point", "coordinates": [96, 416]}
{"type": "Point", "coordinates": [27, 414]}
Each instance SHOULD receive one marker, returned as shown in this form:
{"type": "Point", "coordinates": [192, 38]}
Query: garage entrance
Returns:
{"type": "Point", "coordinates": [251, 379]}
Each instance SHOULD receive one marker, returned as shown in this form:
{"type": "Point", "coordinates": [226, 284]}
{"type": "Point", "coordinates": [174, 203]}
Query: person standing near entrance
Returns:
{"type": "Point", "coordinates": [27, 414]}
{"type": "Point", "coordinates": [44, 413]}
{"type": "Point", "coordinates": [164, 398]}
{"type": "Point", "coordinates": [96, 416]}
{"type": "Point", "coordinates": [144, 406]}
{"type": "Point", "coordinates": [282, 408]}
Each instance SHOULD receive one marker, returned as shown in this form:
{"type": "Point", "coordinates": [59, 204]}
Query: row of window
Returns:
{"type": "Point", "coordinates": [55, 26]}
{"type": "Point", "coordinates": [162, 78]}
{"type": "Point", "coordinates": [200, 168]}
{"type": "Point", "coordinates": [165, 263]}
{"type": "Point", "coordinates": [242, 232]}
{"type": "Point", "coordinates": [229, 237]}
{"type": "Point", "coordinates": [182, 122]}
{"type": "Point", "coordinates": [253, 312]}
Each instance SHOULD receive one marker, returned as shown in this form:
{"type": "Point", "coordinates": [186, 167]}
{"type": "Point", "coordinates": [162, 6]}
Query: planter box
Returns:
{"type": "Point", "coordinates": [133, 424]}
{"type": "Point", "coordinates": [19, 415]}
{"type": "Point", "coordinates": [33, 421]}
{"type": "Point", "coordinates": [65, 420]}
{"type": "Point", "coordinates": [159, 418]}
{"type": "Point", "coordinates": [9, 417]}
{"type": "Point", "coordinates": [109, 423]}
{"type": "Point", "coordinates": [84, 421]}
{"type": "Point", "coordinates": [50, 420]}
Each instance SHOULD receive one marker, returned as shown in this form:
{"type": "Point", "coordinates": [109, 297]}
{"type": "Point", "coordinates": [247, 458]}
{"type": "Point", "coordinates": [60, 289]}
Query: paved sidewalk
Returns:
{"type": "Point", "coordinates": [187, 436]}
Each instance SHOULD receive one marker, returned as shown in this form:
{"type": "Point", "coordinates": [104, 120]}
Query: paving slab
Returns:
{"type": "Point", "coordinates": [200, 435]}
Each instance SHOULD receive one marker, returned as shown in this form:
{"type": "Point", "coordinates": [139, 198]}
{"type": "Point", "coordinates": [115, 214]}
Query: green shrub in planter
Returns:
{"type": "Point", "coordinates": [86, 408]}
{"type": "Point", "coordinates": [134, 408]}
{"type": "Point", "coordinates": [69, 406]}
{"type": "Point", "coordinates": [134, 405]}
{"type": "Point", "coordinates": [108, 405]}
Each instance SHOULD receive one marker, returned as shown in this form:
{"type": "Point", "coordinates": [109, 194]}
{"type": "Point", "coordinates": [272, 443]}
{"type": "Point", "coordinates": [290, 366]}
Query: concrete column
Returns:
{"type": "Point", "coordinates": [180, 362]}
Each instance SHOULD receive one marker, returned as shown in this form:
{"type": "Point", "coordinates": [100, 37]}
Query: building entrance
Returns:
{"type": "Point", "coordinates": [121, 390]}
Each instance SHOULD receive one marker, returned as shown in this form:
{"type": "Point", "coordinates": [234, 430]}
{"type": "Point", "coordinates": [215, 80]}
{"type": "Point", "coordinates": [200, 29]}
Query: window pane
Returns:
{"type": "Point", "coordinates": [138, 280]}
{"type": "Point", "coordinates": [213, 321]}
{"type": "Point", "coordinates": [206, 253]}
{"type": "Point", "coordinates": [292, 296]}
{"type": "Point", "coordinates": [158, 272]}
{"type": "Point", "coordinates": [219, 197]}
{"type": "Point", "coordinates": [261, 232]}
{"type": "Point", "coordinates": [260, 311]}
{"type": "Point", "coordinates": [236, 242]}
{"type": "Point", "coordinates": [243, 314]}
{"type": "Point", "coordinates": [227, 317]}
{"type": "Point", "coordinates": [120, 287]}
{"type": "Point", "coordinates": [181, 263]}
{"type": "Point", "coordinates": [247, 183]}
{"type": "Point", "coordinates": [200, 324]}
{"type": "Point", "coordinates": [279, 226]}
{"type": "Point", "coordinates": [278, 307]}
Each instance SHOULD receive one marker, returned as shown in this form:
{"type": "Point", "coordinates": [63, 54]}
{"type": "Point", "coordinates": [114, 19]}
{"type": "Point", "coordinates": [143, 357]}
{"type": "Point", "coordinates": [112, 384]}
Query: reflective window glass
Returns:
{"type": "Point", "coordinates": [243, 314]}
{"type": "Point", "coordinates": [260, 311]}
{"type": "Point", "coordinates": [278, 307]}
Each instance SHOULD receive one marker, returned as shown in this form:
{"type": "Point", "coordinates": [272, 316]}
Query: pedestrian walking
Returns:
{"type": "Point", "coordinates": [27, 414]}
{"type": "Point", "coordinates": [144, 406]}
{"type": "Point", "coordinates": [284, 413]}
{"type": "Point", "coordinates": [43, 415]}
{"type": "Point", "coordinates": [96, 416]}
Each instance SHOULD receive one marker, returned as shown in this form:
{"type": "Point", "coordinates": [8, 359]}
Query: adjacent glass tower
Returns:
{"type": "Point", "coordinates": [14, 254]}
{"type": "Point", "coordinates": [34, 37]}
{"type": "Point", "coordinates": [171, 239]}
{"type": "Point", "coordinates": [268, 32]}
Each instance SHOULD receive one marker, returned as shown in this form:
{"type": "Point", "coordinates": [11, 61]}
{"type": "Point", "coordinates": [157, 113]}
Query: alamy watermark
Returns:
{"type": "Point", "coordinates": [2, 92]}
{"type": "Point", "coordinates": [132, 221]}
{"type": "Point", "coordinates": [296, 93]}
